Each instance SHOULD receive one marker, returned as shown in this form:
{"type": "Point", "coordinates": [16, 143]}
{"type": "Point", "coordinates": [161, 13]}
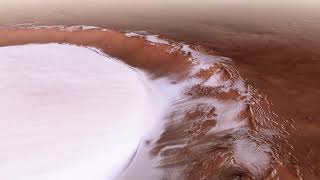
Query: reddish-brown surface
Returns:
{"type": "Point", "coordinates": [134, 51]}
{"type": "Point", "coordinates": [203, 156]}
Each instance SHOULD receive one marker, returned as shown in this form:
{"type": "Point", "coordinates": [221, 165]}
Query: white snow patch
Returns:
{"type": "Point", "coordinates": [228, 115]}
{"type": "Point", "coordinates": [240, 86]}
{"type": "Point", "coordinates": [227, 112]}
{"type": "Point", "coordinates": [253, 156]}
{"type": "Point", "coordinates": [213, 81]}
{"type": "Point", "coordinates": [133, 34]}
{"type": "Point", "coordinates": [202, 61]}
{"type": "Point", "coordinates": [155, 39]}
{"type": "Point", "coordinates": [68, 112]}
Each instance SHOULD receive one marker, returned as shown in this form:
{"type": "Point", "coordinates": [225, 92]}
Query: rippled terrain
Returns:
{"type": "Point", "coordinates": [252, 115]}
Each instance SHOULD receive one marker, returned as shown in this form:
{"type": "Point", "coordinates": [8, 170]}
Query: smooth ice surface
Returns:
{"type": "Point", "coordinates": [70, 113]}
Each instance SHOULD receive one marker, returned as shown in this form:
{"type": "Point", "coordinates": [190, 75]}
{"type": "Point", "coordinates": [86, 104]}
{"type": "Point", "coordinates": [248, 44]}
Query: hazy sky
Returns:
{"type": "Point", "coordinates": [15, 11]}
{"type": "Point", "coordinates": [5, 4]}
{"type": "Point", "coordinates": [158, 1]}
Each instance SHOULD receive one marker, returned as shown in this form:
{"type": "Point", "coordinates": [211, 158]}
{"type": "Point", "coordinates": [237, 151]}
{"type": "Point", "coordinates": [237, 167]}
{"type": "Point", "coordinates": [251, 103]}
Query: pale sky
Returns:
{"type": "Point", "coordinates": [158, 1]}
{"type": "Point", "coordinates": [131, 3]}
